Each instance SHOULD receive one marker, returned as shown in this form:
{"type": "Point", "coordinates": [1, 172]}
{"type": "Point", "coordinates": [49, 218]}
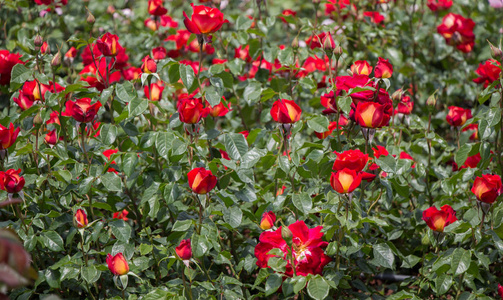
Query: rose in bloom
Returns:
{"type": "Point", "coordinates": [204, 20]}
{"type": "Point", "coordinates": [149, 65]}
{"type": "Point", "coordinates": [184, 250]}
{"type": "Point", "coordinates": [71, 53]}
{"type": "Point", "coordinates": [156, 93]}
{"type": "Point", "coordinates": [438, 219]}
{"type": "Point", "coordinates": [121, 215]}
{"type": "Point", "coordinates": [331, 127]}
{"type": "Point", "coordinates": [405, 106]}
{"type": "Point", "coordinates": [361, 67]}
{"type": "Point", "coordinates": [471, 162]}
{"type": "Point", "coordinates": [380, 151]}
{"type": "Point", "coordinates": [108, 44]}
{"type": "Point", "coordinates": [218, 110]}
{"type": "Point", "coordinates": [374, 16]}
{"type": "Point", "coordinates": [457, 116]}
{"type": "Point", "coordinates": [488, 72]}
{"type": "Point", "coordinates": [7, 62]}
{"type": "Point", "coordinates": [487, 188]}
{"type": "Point", "coordinates": [371, 115]}
{"type": "Point", "coordinates": [285, 111]}
{"type": "Point", "coordinates": [345, 181]}
{"type": "Point", "coordinates": [267, 221]}
{"type": "Point", "coordinates": [94, 78]}
{"type": "Point", "coordinates": [350, 159]}
{"type": "Point", "coordinates": [316, 41]}
{"type": "Point", "coordinates": [11, 181]}
{"type": "Point", "coordinates": [82, 110]}
{"type": "Point", "coordinates": [201, 181]}
{"type": "Point", "coordinates": [383, 69]}
{"type": "Point", "coordinates": [307, 247]}
{"type": "Point", "coordinates": [159, 53]}
{"type": "Point", "coordinates": [338, 6]}
{"type": "Point", "coordinates": [156, 8]}
{"type": "Point", "coordinates": [131, 73]}
{"type": "Point", "coordinates": [243, 53]}
{"type": "Point", "coordinates": [191, 110]}
{"type": "Point", "coordinates": [8, 136]}
{"type": "Point", "coordinates": [458, 31]}
{"type": "Point", "coordinates": [33, 91]}
{"type": "Point", "coordinates": [80, 218]}
{"type": "Point", "coordinates": [435, 5]}
{"type": "Point", "coordinates": [475, 128]}
{"type": "Point", "coordinates": [51, 137]}
{"type": "Point", "coordinates": [117, 264]}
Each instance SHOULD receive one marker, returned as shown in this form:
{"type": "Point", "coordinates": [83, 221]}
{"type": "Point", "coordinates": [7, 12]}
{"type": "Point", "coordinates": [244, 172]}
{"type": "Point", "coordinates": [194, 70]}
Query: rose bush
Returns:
{"type": "Point", "coordinates": [251, 149]}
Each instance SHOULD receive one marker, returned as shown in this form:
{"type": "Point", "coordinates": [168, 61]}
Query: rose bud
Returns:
{"type": "Point", "coordinates": [219, 110]}
{"type": "Point", "coordinates": [361, 67]}
{"type": "Point", "coordinates": [457, 116]}
{"type": "Point", "coordinates": [331, 128]}
{"type": "Point", "coordinates": [500, 288]}
{"type": "Point", "coordinates": [51, 137]}
{"type": "Point", "coordinates": [71, 54]}
{"type": "Point", "coordinates": [487, 188]}
{"type": "Point", "coordinates": [345, 181]}
{"type": "Point", "coordinates": [383, 69]}
{"type": "Point", "coordinates": [371, 115]}
{"type": "Point", "coordinates": [159, 53]}
{"type": "Point", "coordinates": [149, 65]}
{"type": "Point", "coordinates": [201, 181]}
{"type": "Point", "coordinates": [90, 18]}
{"type": "Point", "coordinates": [82, 110]}
{"type": "Point", "coordinates": [437, 220]}
{"type": "Point", "coordinates": [287, 235]}
{"type": "Point", "coordinates": [80, 218]}
{"type": "Point", "coordinates": [53, 118]}
{"type": "Point", "coordinates": [350, 159]}
{"type": "Point", "coordinates": [11, 182]}
{"type": "Point", "coordinates": [184, 250]}
{"type": "Point", "coordinates": [488, 72]}
{"type": "Point", "coordinates": [56, 60]}
{"type": "Point", "coordinates": [38, 41]}
{"type": "Point", "coordinates": [204, 20]}
{"type": "Point", "coordinates": [328, 42]}
{"type": "Point", "coordinates": [496, 53]}
{"type": "Point", "coordinates": [121, 215]}
{"type": "Point", "coordinates": [156, 8]}
{"type": "Point", "coordinates": [268, 219]}
{"type": "Point", "coordinates": [8, 136]}
{"type": "Point", "coordinates": [191, 110]}
{"type": "Point", "coordinates": [117, 264]}
{"type": "Point", "coordinates": [24, 101]}
{"type": "Point", "coordinates": [45, 48]}
{"type": "Point", "coordinates": [108, 44]}
{"type": "Point", "coordinates": [156, 93]}
{"type": "Point", "coordinates": [285, 111]}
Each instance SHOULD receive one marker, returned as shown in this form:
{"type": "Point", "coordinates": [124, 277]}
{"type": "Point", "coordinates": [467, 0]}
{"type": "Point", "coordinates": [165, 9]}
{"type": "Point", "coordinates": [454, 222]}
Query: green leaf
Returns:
{"type": "Point", "coordinates": [387, 163]}
{"type": "Point", "coordinates": [443, 284]}
{"type": "Point", "coordinates": [112, 182]}
{"type": "Point", "coordinates": [344, 103]}
{"type": "Point", "coordinates": [183, 225]}
{"type": "Point", "coordinates": [243, 22]}
{"type": "Point", "coordinates": [129, 162]}
{"type": "Point", "coordinates": [461, 260]}
{"type": "Point", "coordinates": [105, 95]}
{"type": "Point", "coordinates": [252, 92]}
{"type": "Point", "coordinates": [53, 241]}
{"type": "Point", "coordinates": [90, 274]}
{"type": "Point", "coordinates": [187, 75]}
{"type": "Point", "coordinates": [318, 124]}
{"type": "Point", "coordinates": [163, 143]}
{"type": "Point", "coordinates": [137, 106]}
{"type": "Point", "coordinates": [19, 74]}
{"type": "Point", "coordinates": [125, 91]}
{"type": "Point", "coordinates": [272, 284]}
{"type": "Point", "coordinates": [299, 282]}
{"type": "Point", "coordinates": [200, 245]}
{"type": "Point", "coordinates": [318, 288]}
{"type": "Point", "coordinates": [383, 256]}
{"type": "Point", "coordinates": [462, 154]}
{"type": "Point", "coordinates": [108, 134]}
{"type": "Point", "coordinates": [302, 202]}
{"type": "Point", "coordinates": [121, 230]}
{"type": "Point", "coordinates": [212, 95]}
{"type": "Point", "coordinates": [233, 216]}
{"type": "Point", "coordinates": [236, 145]}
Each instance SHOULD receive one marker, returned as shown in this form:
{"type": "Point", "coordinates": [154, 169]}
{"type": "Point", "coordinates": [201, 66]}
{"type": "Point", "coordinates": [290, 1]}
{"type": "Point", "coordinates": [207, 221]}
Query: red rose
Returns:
{"type": "Point", "coordinates": [156, 8]}
{"type": "Point", "coordinates": [383, 69]}
{"type": "Point", "coordinates": [156, 93]}
{"type": "Point", "coordinates": [350, 159]}
{"type": "Point", "coordinates": [81, 218]}
{"type": "Point", "coordinates": [458, 32]}
{"type": "Point", "coordinates": [243, 53]}
{"type": "Point", "coordinates": [82, 110]}
{"type": "Point", "coordinates": [94, 77]}
{"type": "Point", "coordinates": [285, 111]}
{"type": "Point", "coordinates": [287, 12]}
{"type": "Point", "coordinates": [345, 181]}
{"type": "Point", "coordinates": [438, 219]}
{"type": "Point", "coordinates": [471, 162]}
{"type": "Point", "coordinates": [121, 215]}
{"type": "Point", "coordinates": [500, 291]}
{"type": "Point", "coordinates": [7, 62]}
{"type": "Point", "coordinates": [374, 16]}
{"type": "Point", "coordinates": [149, 65]}
{"type": "Point", "coordinates": [308, 254]}
{"type": "Point", "coordinates": [117, 264]}
{"type": "Point", "coordinates": [71, 53]}
{"type": "Point", "coordinates": [405, 106]}
{"type": "Point", "coordinates": [108, 44]}
{"type": "Point", "coordinates": [219, 110]}
{"type": "Point", "coordinates": [331, 127]}
{"type": "Point", "coordinates": [51, 137]}
{"type": "Point", "coordinates": [201, 181]}
{"type": "Point", "coordinates": [488, 72]}
{"type": "Point", "coordinates": [204, 20]}
{"type": "Point", "coordinates": [316, 41]}
{"type": "Point", "coordinates": [435, 5]}
{"type": "Point", "coordinates": [191, 110]}
{"type": "Point", "coordinates": [361, 67]}
{"type": "Point", "coordinates": [11, 182]}
{"type": "Point", "coordinates": [371, 115]}
{"type": "Point", "coordinates": [8, 136]}
{"type": "Point", "coordinates": [267, 221]}
{"type": "Point", "coordinates": [475, 128]}
{"type": "Point", "coordinates": [184, 250]}
{"type": "Point", "coordinates": [380, 151]}
{"type": "Point", "coordinates": [487, 188]}
{"type": "Point", "coordinates": [131, 73]}
{"type": "Point", "coordinates": [159, 53]}
{"type": "Point", "coordinates": [458, 116]}
{"type": "Point", "coordinates": [328, 42]}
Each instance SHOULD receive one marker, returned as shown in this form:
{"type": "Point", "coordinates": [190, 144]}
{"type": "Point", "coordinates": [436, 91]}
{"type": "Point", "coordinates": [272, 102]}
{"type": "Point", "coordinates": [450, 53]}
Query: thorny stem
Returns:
{"type": "Point", "coordinates": [21, 217]}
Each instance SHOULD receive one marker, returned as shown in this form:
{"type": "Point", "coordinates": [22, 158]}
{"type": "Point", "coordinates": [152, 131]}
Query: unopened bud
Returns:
{"type": "Point", "coordinates": [431, 102]}
{"type": "Point", "coordinates": [90, 18]}
{"type": "Point", "coordinates": [338, 51]}
{"type": "Point", "coordinates": [287, 235]}
{"type": "Point", "coordinates": [316, 1]}
{"type": "Point", "coordinates": [37, 119]}
{"type": "Point", "coordinates": [328, 42]}
{"type": "Point", "coordinates": [295, 42]}
{"type": "Point", "coordinates": [397, 95]}
{"type": "Point", "coordinates": [496, 53]}
{"type": "Point", "coordinates": [56, 60]}
{"type": "Point", "coordinates": [38, 41]}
